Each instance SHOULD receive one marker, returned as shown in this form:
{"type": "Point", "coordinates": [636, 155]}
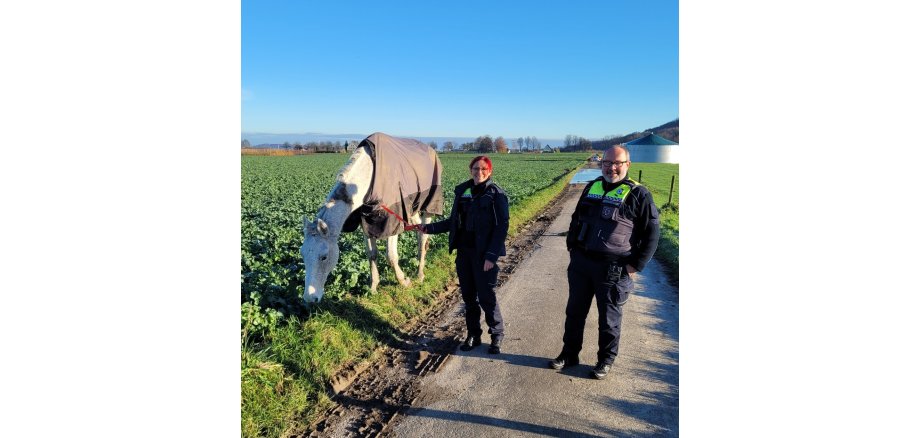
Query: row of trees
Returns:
{"type": "Point", "coordinates": [482, 144]}
{"type": "Point", "coordinates": [670, 131]}
{"type": "Point", "coordinates": [323, 146]}
{"type": "Point", "coordinates": [576, 143]}
{"type": "Point", "coordinates": [528, 143]}
{"type": "Point", "coordinates": [486, 144]}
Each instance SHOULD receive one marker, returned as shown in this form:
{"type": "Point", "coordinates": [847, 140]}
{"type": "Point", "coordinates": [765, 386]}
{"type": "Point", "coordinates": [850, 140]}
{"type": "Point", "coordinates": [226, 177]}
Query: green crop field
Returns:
{"type": "Point", "coordinates": [277, 192]}
{"type": "Point", "coordinates": [289, 351]}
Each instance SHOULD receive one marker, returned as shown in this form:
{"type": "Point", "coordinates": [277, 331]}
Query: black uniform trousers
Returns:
{"type": "Point", "coordinates": [591, 277]}
{"type": "Point", "coordinates": [478, 290]}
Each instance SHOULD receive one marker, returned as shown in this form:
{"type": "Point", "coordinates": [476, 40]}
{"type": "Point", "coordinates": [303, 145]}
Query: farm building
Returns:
{"type": "Point", "coordinates": [652, 149]}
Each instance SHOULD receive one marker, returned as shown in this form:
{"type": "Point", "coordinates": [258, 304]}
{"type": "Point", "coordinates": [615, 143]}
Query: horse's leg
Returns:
{"type": "Point", "coordinates": [393, 258]}
{"type": "Point", "coordinates": [422, 248]}
{"type": "Point", "coordinates": [372, 258]}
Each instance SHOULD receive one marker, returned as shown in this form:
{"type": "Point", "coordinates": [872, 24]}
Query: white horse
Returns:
{"type": "Point", "coordinates": [320, 248]}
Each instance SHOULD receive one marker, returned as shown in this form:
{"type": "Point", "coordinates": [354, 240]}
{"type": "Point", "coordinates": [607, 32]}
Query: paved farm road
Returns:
{"type": "Point", "coordinates": [475, 394]}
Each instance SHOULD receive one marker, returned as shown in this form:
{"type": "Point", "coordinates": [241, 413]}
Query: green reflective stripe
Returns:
{"type": "Point", "coordinates": [618, 194]}
{"type": "Point", "coordinates": [467, 194]}
{"type": "Point", "coordinates": [597, 190]}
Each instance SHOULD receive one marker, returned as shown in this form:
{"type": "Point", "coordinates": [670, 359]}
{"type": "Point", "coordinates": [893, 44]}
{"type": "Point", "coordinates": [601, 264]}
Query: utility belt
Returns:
{"type": "Point", "coordinates": [601, 256]}
{"type": "Point", "coordinates": [614, 268]}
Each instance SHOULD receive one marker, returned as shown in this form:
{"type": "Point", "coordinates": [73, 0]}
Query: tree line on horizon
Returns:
{"type": "Point", "coordinates": [670, 131]}
{"type": "Point", "coordinates": [486, 144]}
{"type": "Point", "coordinates": [482, 144]}
{"type": "Point", "coordinates": [313, 146]}
{"type": "Point", "coordinates": [573, 143]}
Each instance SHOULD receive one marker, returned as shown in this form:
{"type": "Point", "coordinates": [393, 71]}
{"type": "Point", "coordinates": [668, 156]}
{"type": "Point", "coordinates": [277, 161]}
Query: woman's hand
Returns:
{"type": "Point", "coordinates": [487, 266]}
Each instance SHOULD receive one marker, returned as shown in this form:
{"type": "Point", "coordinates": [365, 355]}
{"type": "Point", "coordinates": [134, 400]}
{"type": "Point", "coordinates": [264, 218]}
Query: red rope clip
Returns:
{"type": "Point", "coordinates": [394, 214]}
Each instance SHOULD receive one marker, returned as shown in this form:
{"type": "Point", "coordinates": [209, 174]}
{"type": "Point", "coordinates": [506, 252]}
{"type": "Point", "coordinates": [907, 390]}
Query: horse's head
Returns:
{"type": "Point", "coordinates": [320, 253]}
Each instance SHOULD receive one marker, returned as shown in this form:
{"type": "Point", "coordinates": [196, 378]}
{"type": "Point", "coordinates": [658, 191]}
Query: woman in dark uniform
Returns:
{"type": "Point", "coordinates": [478, 225]}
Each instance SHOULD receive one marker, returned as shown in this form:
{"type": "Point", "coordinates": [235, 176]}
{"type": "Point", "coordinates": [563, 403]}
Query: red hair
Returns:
{"type": "Point", "coordinates": [484, 159]}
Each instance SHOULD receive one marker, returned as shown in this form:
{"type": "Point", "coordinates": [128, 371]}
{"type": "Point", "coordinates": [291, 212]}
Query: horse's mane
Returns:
{"type": "Point", "coordinates": [349, 165]}
{"type": "Point", "coordinates": [339, 191]}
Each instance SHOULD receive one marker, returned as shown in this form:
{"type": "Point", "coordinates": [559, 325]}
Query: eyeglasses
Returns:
{"type": "Point", "coordinates": [606, 163]}
{"type": "Point", "coordinates": [479, 169]}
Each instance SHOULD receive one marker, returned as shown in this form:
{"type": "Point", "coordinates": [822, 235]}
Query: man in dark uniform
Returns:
{"type": "Point", "coordinates": [613, 234]}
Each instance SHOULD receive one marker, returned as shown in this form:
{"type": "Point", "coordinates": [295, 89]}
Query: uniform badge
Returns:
{"type": "Point", "coordinates": [606, 212]}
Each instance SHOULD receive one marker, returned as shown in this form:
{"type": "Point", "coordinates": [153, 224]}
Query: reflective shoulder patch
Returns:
{"type": "Point", "coordinates": [617, 195]}
{"type": "Point", "coordinates": [596, 191]}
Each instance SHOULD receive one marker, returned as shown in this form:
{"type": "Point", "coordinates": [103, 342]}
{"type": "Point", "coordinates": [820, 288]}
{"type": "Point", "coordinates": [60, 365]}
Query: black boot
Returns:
{"type": "Point", "coordinates": [601, 370]}
{"type": "Point", "coordinates": [563, 361]}
{"type": "Point", "coordinates": [470, 343]}
{"type": "Point", "coordinates": [495, 346]}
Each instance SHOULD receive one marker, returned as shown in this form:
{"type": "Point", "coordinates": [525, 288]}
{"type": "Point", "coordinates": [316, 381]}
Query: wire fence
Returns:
{"type": "Point", "coordinates": [661, 185]}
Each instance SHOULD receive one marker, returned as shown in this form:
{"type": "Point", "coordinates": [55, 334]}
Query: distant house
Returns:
{"type": "Point", "coordinates": [652, 149]}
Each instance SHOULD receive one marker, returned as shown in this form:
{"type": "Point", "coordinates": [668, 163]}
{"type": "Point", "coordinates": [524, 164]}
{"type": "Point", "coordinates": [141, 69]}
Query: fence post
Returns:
{"type": "Point", "coordinates": [670, 192]}
{"type": "Point", "coordinates": [640, 175]}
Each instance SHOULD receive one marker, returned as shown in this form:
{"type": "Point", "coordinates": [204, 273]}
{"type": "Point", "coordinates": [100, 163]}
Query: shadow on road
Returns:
{"type": "Point", "coordinates": [512, 359]}
{"type": "Point", "coordinates": [658, 410]}
{"type": "Point", "coordinates": [522, 426]}
{"type": "Point", "coordinates": [498, 422]}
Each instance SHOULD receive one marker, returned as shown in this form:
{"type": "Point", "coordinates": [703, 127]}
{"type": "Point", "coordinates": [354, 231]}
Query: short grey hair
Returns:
{"type": "Point", "coordinates": [613, 151]}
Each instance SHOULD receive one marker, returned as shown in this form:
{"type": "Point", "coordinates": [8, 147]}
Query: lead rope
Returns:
{"type": "Point", "coordinates": [394, 214]}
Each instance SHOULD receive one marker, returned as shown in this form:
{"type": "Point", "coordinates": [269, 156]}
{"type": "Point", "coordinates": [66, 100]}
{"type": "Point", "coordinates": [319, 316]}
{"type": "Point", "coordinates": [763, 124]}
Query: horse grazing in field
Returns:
{"type": "Point", "coordinates": [385, 180]}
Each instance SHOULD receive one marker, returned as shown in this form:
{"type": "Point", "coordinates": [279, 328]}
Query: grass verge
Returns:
{"type": "Point", "coordinates": [525, 211]}
{"type": "Point", "coordinates": [668, 252]}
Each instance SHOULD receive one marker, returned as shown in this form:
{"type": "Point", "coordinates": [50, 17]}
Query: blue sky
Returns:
{"type": "Point", "coordinates": [543, 69]}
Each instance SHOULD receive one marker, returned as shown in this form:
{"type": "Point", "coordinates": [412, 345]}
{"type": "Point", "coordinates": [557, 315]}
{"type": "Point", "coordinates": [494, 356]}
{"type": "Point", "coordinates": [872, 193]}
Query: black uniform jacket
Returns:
{"type": "Point", "coordinates": [488, 216]}
{"type": "Point", "coordinates": [638, 207]}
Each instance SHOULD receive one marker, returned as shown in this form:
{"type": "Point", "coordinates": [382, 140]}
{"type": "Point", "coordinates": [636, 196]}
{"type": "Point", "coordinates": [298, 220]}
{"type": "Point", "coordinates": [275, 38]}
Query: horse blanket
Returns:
{"type": "Point", "coordinates": [406, 179]}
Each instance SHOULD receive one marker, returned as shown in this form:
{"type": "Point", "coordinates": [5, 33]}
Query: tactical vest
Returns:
{"type": "Point", "coordinates": [603, 227]}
